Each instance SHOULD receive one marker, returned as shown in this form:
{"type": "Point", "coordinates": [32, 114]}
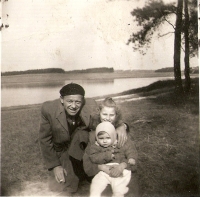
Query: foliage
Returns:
{"type": "Point", "coordinates": [167, 69]}
{"type": "Point", "coordinates": [149, 18]}
{"type": "Point", "coordinates": [155, 13]}
{"type": "Point", "coordinates": [59, 70]}
{"type": "Point", "coordinates": [3, 25]}
{"type": "Point", "coordinates": [35, 71]}
{"type": "Point", "coordinates": [194, 70]}
{"type": "Point", "coordinates": [193, 27]}
{"type": "Point", "coordinates": [93, 70]}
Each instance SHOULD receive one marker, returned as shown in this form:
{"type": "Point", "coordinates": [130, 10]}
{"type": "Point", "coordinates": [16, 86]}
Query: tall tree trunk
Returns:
{"type": "Point", "coordinates": [187, 52]}
{"type": "Point", "coordinates": [177, 48]}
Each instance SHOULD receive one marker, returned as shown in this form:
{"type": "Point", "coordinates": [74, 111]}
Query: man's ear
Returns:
{"type": "Point", "coordinates": [83, 101]}
{"type": "Point", "coordinates": [61, 99]}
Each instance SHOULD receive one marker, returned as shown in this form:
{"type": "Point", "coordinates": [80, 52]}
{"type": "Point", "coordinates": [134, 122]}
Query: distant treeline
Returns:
{"type": "Point", "coordinates": [36, 71]}
{"type": "Point", "coordinates": [168, 69]}
{"type": "Point", "coordinates": [59, 70]}
{"type": "Point", "coordinates": [93, 70]}
{"type": "Point", "coordinates": [194, 70]}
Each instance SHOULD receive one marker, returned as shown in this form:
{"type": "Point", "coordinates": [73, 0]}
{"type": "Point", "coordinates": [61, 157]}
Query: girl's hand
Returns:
{"type": "Point", "coordinates": [122, 135]}
{"type": "Point", "coordinates": [131, 161]}
{"type": "Point", "coordinates": [117, 170]}
{"type": "Point", "coordinates": [104, 168]}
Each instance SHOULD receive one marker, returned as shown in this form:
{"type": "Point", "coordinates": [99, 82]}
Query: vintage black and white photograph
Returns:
{"type": "Point", "coordinates": [100, 98]}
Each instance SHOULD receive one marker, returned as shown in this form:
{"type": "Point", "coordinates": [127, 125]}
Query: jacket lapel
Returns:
{"type": "Point", "coordinates": [61, 116]}
{"type": "Point", "coordinates": [85, 117]}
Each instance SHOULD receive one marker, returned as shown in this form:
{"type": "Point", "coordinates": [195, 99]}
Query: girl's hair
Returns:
{"type": "Point", "coordinates": [107, 102]}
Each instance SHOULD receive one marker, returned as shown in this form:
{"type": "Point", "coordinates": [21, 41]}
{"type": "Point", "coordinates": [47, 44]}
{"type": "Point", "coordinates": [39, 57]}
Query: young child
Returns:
{"type": "Point", "coordinates": [105, 151]}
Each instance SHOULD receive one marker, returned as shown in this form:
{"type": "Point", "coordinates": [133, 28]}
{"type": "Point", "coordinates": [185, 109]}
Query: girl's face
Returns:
{"type": "Point", "coordinates": [104, 140]}
{"type": "Point", "coordinates": [108, 114]}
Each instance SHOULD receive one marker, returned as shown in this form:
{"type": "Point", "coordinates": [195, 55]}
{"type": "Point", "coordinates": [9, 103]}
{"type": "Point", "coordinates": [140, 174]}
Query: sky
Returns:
{"type": "Point", "coordinates": [75, 35]}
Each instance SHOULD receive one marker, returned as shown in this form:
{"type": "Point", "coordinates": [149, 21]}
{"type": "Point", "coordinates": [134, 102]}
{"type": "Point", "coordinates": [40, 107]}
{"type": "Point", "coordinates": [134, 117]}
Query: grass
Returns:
{"type": "Point", "coordinates": [165, 130]}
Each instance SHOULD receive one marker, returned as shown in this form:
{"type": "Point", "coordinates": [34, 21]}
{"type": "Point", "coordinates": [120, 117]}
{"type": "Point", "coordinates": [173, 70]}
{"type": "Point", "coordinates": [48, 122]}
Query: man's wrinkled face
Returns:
{"type": "Point", "coordinates": [72, 103]}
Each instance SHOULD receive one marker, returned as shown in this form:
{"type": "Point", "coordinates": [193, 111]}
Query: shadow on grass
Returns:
{"type": "Point", "coordinates": [165, 130]}
{"type": "Point", "coordinates": [188, 101]}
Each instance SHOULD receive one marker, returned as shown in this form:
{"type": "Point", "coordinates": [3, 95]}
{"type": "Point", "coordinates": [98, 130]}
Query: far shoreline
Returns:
{"type": "Point", "coordinates": [59, 78]}
{"type": "Point", "coordinates": [20, 107]}
{"type": "Point", "coordinates": [80, 77]}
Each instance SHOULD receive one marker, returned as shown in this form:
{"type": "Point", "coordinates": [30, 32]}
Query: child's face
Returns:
{"type": "Point", "coordinates": [104, 140]}
{"type": "Point", "coordinates": [108, 114]}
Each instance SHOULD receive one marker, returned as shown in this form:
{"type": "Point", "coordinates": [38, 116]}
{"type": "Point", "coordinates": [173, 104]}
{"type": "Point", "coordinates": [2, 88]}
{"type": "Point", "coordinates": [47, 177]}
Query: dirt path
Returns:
{"type": "Point", "coordinates": [39, 188]}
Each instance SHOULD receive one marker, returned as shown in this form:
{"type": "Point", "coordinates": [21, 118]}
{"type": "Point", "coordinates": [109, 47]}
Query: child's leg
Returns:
{"type": "Point", "coordinates": [99, 183]}
{"type": "Point", "coordinates": [119, 185]}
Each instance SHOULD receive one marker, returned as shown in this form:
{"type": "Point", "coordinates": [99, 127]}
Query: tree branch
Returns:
{"type": "Point", "coordinates": [159, 35]}
{"type": "Point", "coordinates": [169, 22]}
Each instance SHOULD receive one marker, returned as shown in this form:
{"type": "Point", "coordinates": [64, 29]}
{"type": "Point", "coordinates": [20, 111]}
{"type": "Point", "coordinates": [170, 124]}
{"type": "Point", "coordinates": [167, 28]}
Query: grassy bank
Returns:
{"type": "Point", "coordinates": [165, 130]}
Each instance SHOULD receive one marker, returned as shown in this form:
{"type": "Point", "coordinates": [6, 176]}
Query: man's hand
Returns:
{"type": "Point", "coordinates": [122, 135]}
{"type": "Point", "coordinates": [104, 168]}
{"type": "Point", "coordinates": [117, 170]}
{"type": "Point", "coordinates": [131, 161]}
{"type": "Point", "coordinates": [60, 173]}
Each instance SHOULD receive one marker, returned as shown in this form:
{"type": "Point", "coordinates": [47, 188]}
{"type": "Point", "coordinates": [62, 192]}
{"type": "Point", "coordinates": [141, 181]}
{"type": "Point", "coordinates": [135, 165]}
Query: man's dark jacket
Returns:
{"type": "Point", "coordinates": [54, 132]}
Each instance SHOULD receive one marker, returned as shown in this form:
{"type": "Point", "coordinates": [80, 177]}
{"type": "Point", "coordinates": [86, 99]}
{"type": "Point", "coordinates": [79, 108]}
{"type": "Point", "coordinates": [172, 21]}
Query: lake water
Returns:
{"type": "Point", "coordinates": [24, 95]}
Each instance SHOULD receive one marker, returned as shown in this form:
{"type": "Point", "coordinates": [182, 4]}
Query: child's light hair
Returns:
{"type": "Point", "coordinates": [109, 102]}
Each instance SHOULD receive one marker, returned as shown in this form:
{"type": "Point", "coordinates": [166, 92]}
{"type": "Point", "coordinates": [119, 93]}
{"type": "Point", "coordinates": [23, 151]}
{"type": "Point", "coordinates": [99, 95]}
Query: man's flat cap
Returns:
{"type": "Point", "coordinates": [72, 89]}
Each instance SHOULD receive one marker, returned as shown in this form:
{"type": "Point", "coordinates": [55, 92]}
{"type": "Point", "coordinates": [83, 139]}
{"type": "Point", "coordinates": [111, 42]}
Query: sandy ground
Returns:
{"type": "Point", "coordinates": [41, 189]}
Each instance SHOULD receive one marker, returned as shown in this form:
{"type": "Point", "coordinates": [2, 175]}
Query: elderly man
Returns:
{"type": "Point", "coordinates": [60, 120]}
